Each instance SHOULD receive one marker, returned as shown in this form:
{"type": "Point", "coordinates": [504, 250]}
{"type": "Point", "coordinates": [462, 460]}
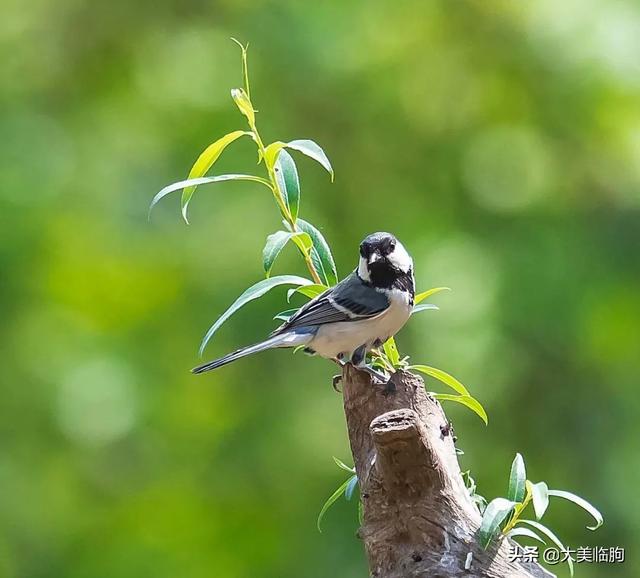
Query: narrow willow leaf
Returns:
{"type": "Point", "coordinates": [524, 532]}
{"type": "Point", "coordinates": [517, 479]}
{"type": "Point", "coordinates": [253, 292]}
{"type": "Point", "coordinates": [320, 254]}
{"type": "Point", "coordinates": [424, 307]}
{"type": "Point", "coordinates": [288, 182]}
{"type": "Point", "coordinates": [243, 103]}
{"type": "Point", "coordinates": [343, 466]}
{"type": "Point", "coordinates": [204, 162]}
{"type": "Point", "coordinates": [285, 315]}
{"type": "Point", "coordinates": [348, 491]}
{"type": "Point", "coordinates": [204, 181]}
{"type": "Point", "coordinates": [312, 150]}
{"type": "Point", "coordinates": [443, 377]}
{"type": "Point", "coordinates": [271, 153]}
{"type": "Point", "coordinates": [309, 291]}
{"type": "Point", "coordinates": [471, 402]}
{"type": "Point", "coordinates": [391, 351]}
{"type": "Point", "coordinates": [420, 297]}
{"type": "Point", "coordinates": [540, 495]}
{"type": "Point", "coordinates": [274, 245]}
{"type": "Point", "coordinates": [549, 534]}
{"type": "Point", "coordinates": [333, 498]}
{"type": "Point", "coordinates": [578, 501]}
{"type": "Point", "coordinates": [495, 513]}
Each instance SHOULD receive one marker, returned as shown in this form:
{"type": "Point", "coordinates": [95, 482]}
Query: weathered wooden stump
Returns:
{"type": "Point", "coordinates": [419, 520]}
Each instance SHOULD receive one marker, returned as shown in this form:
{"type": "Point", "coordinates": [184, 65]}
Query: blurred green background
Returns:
{"type": "Point", "coordinates": [499, 140]}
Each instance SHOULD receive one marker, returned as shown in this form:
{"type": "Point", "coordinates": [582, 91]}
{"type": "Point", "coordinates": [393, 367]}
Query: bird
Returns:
{"type": "Point", "coordinates": [354, 316]}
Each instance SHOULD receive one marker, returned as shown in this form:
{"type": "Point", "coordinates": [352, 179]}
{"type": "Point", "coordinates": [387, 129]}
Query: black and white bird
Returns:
{"type": "Point", "coordinates": [360, 313]}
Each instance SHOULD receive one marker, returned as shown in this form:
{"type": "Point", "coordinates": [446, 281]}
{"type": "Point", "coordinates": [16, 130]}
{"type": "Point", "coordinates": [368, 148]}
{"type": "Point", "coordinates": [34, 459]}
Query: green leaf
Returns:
{"type": "Point", "coordinates": [549, 534]}
{"type": "Point", "coordinates": [442, 376]}
{"type": "Point", "coordinates": [495, 513]}
{"type": "Point", "coordinates": [243, 103]}
{"type": "Point", "coordinates": [285, 315]}
{"type": "Point", "coordinates": [320, 254]}
{"type": "Point", "coordinates": [309, 291]}
{"type": "Point", "coordinates": [271, 152]}
{"type": "Point", "coordinates": [312, 150]}
{"type": "Point", "coordinates": [204, 162]}
{"type": "Point", "coordinates": [524, 532]}
{"type": "Point", "coordinates": [204, 181]}
{"type": "Point", "coordinates": [540, 495]}
{"type": "Point", "coordinates": [333, 498]}
{"type": "Point", "coordinates": [597, 516]}
{"type": "Point", "coordinates": [424, 307]}
{"type": "Point", "coordinates": [253, 292]}
{"type": "Point", "coordinates": [348, 491]}
{"type": "Point", "coordinates": [472, 403]}
{"type": "Point", "coordinates": [391, 351]}
{"type": "Point", "coordinates": [288, 182]}
{"type": "Point", "coordinates": [425, 294]}
{"type": "Point", "coordinates": [517, 480]}
{"type": "Point", "coordinates": [274, 245]}
{"type": "Point", "coordinates": [343, 466]}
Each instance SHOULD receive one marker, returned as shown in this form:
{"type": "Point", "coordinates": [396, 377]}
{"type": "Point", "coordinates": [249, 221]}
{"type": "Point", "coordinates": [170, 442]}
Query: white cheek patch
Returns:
{"type": "Point", "coordinates": [363, 270]}
{"type": "Point", "coordinates": [400, 259]}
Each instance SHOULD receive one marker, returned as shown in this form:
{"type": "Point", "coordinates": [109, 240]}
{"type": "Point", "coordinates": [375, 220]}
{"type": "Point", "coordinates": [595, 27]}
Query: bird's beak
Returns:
{"type": "Point", "coordinates": [374, 257]}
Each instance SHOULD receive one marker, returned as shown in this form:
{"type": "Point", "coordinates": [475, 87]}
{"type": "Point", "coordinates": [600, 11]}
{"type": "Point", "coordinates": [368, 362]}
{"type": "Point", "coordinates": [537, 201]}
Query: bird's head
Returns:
{"type": "Point", "coordinates": [383, 259]}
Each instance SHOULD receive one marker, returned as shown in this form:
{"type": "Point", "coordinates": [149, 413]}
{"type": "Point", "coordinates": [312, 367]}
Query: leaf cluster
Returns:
{"type": "Point", "coordinates": [346, 488]}
{"type": "Point", "coordinates": [504, 516]}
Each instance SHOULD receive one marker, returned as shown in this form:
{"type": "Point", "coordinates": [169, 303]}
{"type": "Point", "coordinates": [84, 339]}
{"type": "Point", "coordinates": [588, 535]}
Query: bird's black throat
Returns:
{"type": "Point", "coordinates": [385, 276]}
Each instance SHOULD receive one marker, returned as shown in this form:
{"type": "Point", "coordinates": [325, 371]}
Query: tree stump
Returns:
{"type": "Point", "coordinates": [419, 520]}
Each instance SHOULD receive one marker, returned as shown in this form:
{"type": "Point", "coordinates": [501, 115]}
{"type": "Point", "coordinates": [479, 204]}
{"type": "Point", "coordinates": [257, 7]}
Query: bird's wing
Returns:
{"type": "Point", "coordinates": [349, 300]}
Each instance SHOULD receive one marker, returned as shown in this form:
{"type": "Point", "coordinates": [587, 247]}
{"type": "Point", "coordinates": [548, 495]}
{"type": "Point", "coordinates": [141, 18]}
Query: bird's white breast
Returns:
{"type": "Point", "coordinates": [333, 339]}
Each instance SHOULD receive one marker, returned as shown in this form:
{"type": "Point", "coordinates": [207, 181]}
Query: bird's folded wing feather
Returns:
{"type": "Point", "coordinates": [350, 300]}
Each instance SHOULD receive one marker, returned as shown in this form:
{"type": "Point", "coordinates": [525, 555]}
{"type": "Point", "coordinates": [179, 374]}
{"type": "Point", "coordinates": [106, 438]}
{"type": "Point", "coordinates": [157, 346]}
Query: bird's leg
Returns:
{"type": "Point", "coordinates": [358, 357]}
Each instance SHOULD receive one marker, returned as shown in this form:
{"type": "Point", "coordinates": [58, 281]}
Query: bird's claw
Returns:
{"type": "Point", "coordinates": [379, 378]}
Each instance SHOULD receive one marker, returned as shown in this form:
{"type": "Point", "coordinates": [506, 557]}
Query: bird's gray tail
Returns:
{"type": "Point", "coordinates": [290, 339]}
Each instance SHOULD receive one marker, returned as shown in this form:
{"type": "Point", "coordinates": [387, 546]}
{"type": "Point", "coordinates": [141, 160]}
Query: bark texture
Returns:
{"type": "Point", "coordinates": [419, 520]}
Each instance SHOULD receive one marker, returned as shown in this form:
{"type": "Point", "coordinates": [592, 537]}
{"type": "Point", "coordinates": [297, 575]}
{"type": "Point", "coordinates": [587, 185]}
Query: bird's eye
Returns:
{"type": "Point", "coordinates": [389, 246]}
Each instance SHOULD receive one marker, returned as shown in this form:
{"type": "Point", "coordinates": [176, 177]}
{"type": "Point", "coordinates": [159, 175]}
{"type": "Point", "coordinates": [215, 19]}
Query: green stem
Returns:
{"type": "Point", "coordinates": [277, 193]}
{"type": "Point", "coordinates": [245, 68]}
{"type": "Point", "coordinates": [516, 513]}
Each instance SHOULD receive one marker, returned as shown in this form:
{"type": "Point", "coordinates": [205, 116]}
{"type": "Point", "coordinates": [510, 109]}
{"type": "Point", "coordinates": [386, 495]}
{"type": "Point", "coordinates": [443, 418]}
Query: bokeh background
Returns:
{"type": "Point", "coordinates": [499, 140]}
